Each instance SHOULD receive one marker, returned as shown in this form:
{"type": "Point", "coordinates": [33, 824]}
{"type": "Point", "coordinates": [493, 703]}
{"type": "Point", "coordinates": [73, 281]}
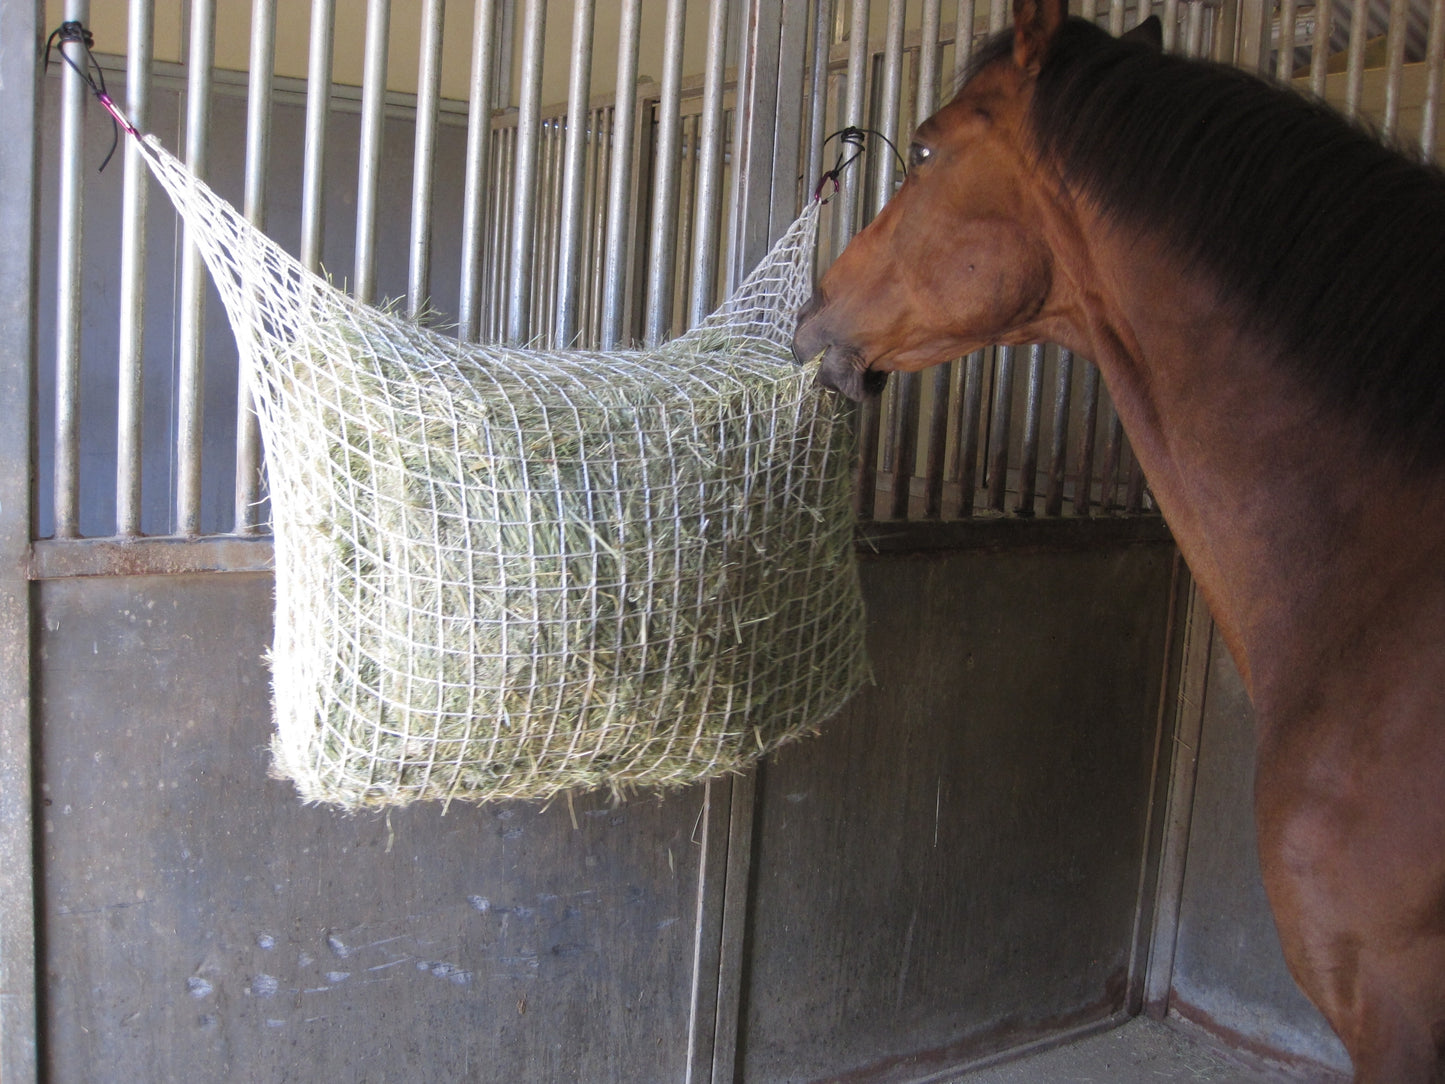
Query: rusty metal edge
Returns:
{"type": "Point", "coordinates": [53, 559]}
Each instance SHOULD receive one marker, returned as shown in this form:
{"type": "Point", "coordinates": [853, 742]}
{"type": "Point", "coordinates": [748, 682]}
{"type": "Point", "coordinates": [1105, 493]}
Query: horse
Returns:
{"type": "Point", "coordinates": [1259, 283]}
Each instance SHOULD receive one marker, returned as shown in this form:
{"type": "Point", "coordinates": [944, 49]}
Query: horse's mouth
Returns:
{"type": "Point", "coordinates": [847, 373]}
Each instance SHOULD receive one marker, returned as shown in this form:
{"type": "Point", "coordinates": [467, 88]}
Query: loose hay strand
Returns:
{"type": "Point", "coordinates": [507, 573]}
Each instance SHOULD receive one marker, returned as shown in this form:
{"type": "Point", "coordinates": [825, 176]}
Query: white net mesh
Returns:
{"type": "Point", "coordinates": [504, 572]}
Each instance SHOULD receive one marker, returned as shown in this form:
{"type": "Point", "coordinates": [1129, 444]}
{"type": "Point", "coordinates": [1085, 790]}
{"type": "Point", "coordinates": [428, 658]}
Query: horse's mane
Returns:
{"type": "Point", "coordinates": [1322, 240]}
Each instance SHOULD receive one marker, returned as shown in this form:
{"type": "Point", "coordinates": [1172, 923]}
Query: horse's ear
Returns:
{"type": "Point", "coordinates": [1035, 22]}
{"type": "Point", "coordinates": [1150, 32]}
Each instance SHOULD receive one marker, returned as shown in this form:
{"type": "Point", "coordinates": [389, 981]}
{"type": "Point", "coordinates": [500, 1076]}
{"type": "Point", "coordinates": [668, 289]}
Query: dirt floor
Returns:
{"type": "Point", "coordinates": [1140, 1052]}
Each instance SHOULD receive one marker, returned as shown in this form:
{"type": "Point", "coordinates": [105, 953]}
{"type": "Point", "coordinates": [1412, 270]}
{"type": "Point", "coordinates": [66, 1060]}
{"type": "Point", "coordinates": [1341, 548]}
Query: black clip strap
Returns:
{"type": "Point", "coordinates": [89, 70]}
{"type": "Point", "coordinates": [857, 139]}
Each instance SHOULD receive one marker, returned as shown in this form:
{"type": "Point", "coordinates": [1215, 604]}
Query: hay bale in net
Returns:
{"type": "Point", "coordinates": [504, 573]}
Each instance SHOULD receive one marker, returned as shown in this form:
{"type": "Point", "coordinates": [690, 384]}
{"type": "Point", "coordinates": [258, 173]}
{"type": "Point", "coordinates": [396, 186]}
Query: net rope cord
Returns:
{"type": "Point", "coordinates": [506, 572]}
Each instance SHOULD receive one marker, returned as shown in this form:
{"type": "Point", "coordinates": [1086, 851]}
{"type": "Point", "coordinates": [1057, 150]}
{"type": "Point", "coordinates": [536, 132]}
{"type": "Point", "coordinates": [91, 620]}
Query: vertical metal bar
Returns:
{"type": "Point", "coordinates": [818, 91]}
{"type": "Point", "coordinates": [855, 102]}
{"type": "Point", "coordinates": [1000, 424]}
{"type": "Point", "coordinates": [506, 35]}
{"type": "Point", "coordinates": [1113, 455]}
{"type": "Point", "coordinates": [1320, 47]}
{"type": "Point", "coordinates": [70, 234]}
{"type": "Point", "coordinates": [1059, 443]}
{"type": "Point", "coordinates": [429, 75]}
{"type": "Point", "coordinates": [1355, 68]}
{"type": "Point", "coordinates": [707, 220]}
{"type": "Point", "coordinates": [318, 102]}
{"type": "Point", "coordinates": [970, 419]}
{"type": "Point", "coordinates": [905, 450]}
{"type": "Point", "coordinates": [929, 55]}
{"type": "Point", "coordinates": [19, 180]}
{"type": "Point", "coordinates": [1288, 21]}
{"type": "Point", "coordinates": [1033, 414]}
{"type": "Point", "coordinates": [662, 247]}
{"type": "Point", "coordinates": [935, 445]}
{"type": "Point", "coordinates": [569, 251]}
{"type": "Point", "coordinates": [1116, 17]}
{"type": "Point", "coordinates": [524, 183]}
{"type": "Point", "coordinates": [258, 153]}
{"type": "Point", "coordinates": [1171, 25]}
{"type": "Point", "coordinates": [130, 385]}
{"type": "Point", "coordinates": [368, 165]}
{"type": "Point", "coordinates": [963, 21]}
{"type": "Point", "coordinates": [1194, 45]}
{"type": "Point", "coordinates": [1396, 33]}
{"type": "Point", "coordinates": [200, 57]}
{"type": "Point", "coordinates": [1084, 482]}
{"type": "Point", "coordinates": [479, 131]}
{"type": "Point", "coordinates": [997, 15]}
{"type": "Point", "coordinates": [593, 213]}
{"type": "Point", "coordinates": [1435, 69]}
{"type": "Point", "coordinates": [619, 187]}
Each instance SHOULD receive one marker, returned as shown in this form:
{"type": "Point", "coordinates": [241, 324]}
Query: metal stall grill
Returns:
{"type": "Point", "coordinates": [527, 180]}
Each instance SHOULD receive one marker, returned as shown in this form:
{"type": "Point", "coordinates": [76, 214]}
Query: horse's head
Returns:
{"type": "Point", "coordinates": [963, 256]}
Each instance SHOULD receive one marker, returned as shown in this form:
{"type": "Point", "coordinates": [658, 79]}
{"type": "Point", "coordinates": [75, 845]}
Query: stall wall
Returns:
{"type": "Point", "coordinates": [952, 866]}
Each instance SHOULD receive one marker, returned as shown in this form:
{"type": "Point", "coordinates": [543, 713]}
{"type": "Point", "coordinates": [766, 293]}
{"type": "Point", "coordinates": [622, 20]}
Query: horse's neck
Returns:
{"type": "Point", "coordinates": [1290, 521]}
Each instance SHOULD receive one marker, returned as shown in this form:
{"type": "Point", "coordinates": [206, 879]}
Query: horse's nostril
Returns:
{"type": "Point", "coordinates": [874, 381]}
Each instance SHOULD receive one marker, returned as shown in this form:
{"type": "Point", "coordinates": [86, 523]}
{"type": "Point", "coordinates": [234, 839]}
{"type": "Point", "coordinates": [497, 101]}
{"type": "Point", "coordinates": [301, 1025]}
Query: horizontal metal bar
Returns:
{"type": "Point", "coordinates": [62, 558]}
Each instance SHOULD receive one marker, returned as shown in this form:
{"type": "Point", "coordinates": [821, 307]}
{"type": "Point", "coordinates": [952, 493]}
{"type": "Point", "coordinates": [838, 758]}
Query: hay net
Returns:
{"type": "Point", "coordinates": [504, 573]}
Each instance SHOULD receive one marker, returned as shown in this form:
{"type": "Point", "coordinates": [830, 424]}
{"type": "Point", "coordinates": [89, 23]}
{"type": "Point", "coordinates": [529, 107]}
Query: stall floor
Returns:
{"type": "Point", "coordinates": [1143, 1051]}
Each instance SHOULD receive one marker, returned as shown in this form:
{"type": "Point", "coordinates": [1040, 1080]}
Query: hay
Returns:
{"type": "Point", "coordinates": [506, 573]}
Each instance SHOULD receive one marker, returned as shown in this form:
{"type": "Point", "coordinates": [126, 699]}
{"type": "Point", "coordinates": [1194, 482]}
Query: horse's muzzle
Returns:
{"type": "Point", "coordinates": [843, 368]}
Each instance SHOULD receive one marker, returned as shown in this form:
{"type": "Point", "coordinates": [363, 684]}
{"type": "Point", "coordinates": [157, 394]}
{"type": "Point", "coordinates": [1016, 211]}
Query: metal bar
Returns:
{"type": "Point", "coordinates": [1194, 44]}
{"type": "Point", "coordinates": [1171, 25]}
{"type": "Point", "coordinates": [905, 450]}
{"type": "Point", "coordinates": [1033, 414]}
{"type": "Point", "coordinates": [855, 101]}
{"type": "Point", "coordinates": [1355, 69]}
{"type": "Point", "coordinates": [936, 454]}
{"type": "Point", "coordinates": [1059, 440]}
{"type": "Point", "coordinates": [428, 91]}
{"type": "Point", "coordinates": [662, 244]}
{"type": "Point", "coordinates": [1396, 33]}
{"type": "Point", "coordinates": [885, 166]}
{"type": "Point", "coordinates": [970, 419]}
{"type": "Point", "coordinates": [1284, 58]}
{"type": "Point", "coordinates": [1320, 48]}
{"type": "Point", "coordinates": [20, 181]}
{"type": "Point", "coordinates": [964, 17]}
{"type": "Point", "coordinates": [686, 214]}
{"type": "Point", "coordinates": [1084, 482]}
{"type": "Point", "coordinates": [707, 217]}
{"type": "Point", "coordinates": [474, 194]}
{"type": "Point", "coordinates": [1116, 17]}
{"type": "Point", "coordinates": [818, 91]}
{"type": "Point", "coordinates": [258, 153]}
{"type": "Point", "coordinates": [200, 58]}
{"type": "Point", "coordinates": [787, 128]}
{"type": "Point", "coordinates": [1000, 424]}
{"type": "Point", "coordinates": [569, 250]}
{"type": "Point", "coordinates": [1113, 454]}
{"type": "Point", "coordinates": [929, 56]}
{"type": "Point", "coordinates": [524, 183]}
{"type": "Point", "coordinates": [997, 15]}
{"type": "Point", "coordinates": [135, 193]}
{"type": "Point", "coordinates": [318, 97]}
{"type": "Point", "coordinates": [1434, 71]}
{"type": "Point", "coordinates": [619, 187]}
{"type": "Point", "coordinates": [368, 166]}
{"type": "Point", "coordinates": [596, 214]}
{"type": "Point", "coordinates": [69, 241]}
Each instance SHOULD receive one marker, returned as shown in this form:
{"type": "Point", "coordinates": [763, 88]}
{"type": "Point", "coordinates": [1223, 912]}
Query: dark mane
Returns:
{"type": "Point", "coordinates": [1321, 239]}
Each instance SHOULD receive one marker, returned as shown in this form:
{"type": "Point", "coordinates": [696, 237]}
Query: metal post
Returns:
{"type": "Point", "coordinates": [569, 250]}
{"type": "Point", "coordinates": [200, 57]}
{"type": "Point", "coordinates": [368, 166]}
{"type": "Point", "coordinates": [479, 131]}
{"type": "Point", "coordinates": [1059, 445]}
{"type": "Point", "coordinates": [1396, 33]}
{"type": "Point", "coordinates": [258, 153]}
{"type": "Point", "coordinates": [318, 103]}
{"type": "Point", "coordinates": [1435, 70]}
{"type": "Point", "coordinates": [1355, 60]}
{"type": "Point", "coordinates": [662, 248]}
{"type": "Point", "coordinates": [524, 191]}
{"type": "Point", "coordinates": [707, 220]}
{"type": "Point", "coordinates": [619, 187]}
{"type": "Point", "coordinates": [428, 91]}
{"type": "Point", "coordinates": [69, 233]}
{"type": "Point", "coordinates": [855, 102]}
{"type": "Point", "coordinates": [135, 191]}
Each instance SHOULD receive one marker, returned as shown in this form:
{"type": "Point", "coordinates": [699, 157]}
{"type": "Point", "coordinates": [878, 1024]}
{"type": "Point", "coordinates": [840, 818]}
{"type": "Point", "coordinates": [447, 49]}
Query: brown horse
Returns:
{"type": "Point", "coordinates": [1260, 284]}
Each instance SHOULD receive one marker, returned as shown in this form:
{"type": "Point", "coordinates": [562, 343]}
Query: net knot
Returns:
{"type": "Point", "coordinates": [91, 74]}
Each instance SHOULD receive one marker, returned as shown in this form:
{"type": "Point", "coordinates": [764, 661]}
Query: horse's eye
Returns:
{"type": "Point", "coordinates": [917, 155]}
